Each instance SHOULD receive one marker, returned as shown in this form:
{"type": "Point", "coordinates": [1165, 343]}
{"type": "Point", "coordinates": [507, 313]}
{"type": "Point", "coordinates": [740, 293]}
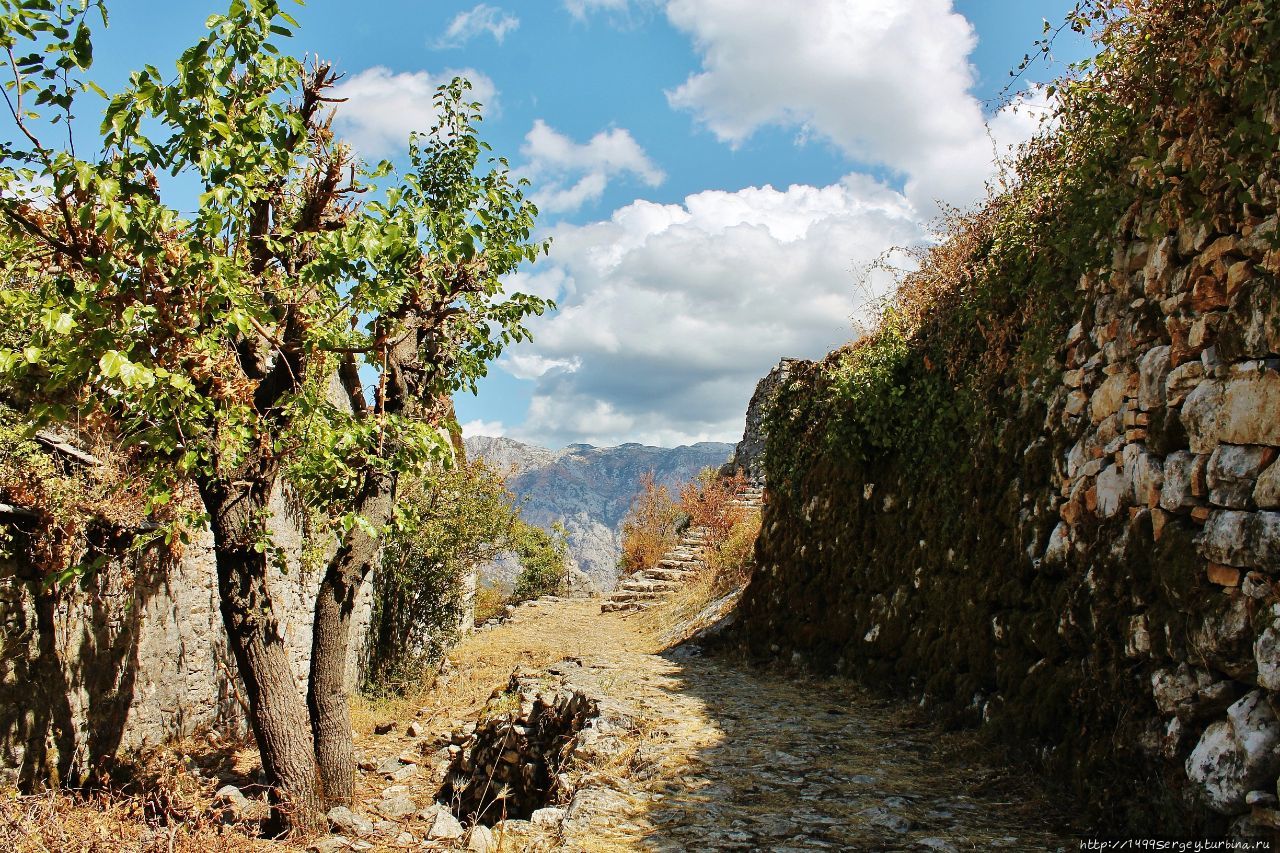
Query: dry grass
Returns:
{"type": "Point", "coordinates": [164, 803]}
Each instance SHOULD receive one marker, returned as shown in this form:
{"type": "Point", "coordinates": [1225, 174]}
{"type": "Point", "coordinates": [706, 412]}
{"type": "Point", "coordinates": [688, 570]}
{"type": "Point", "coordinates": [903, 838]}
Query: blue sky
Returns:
{"type": "Point", "coordinates": [714, 173]}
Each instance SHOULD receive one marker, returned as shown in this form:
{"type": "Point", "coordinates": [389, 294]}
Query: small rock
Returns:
{"type": "Point", "coordinates": [396, 808]}
{"type": "Point", "coordinates": [330, 844]}
{"type": "Point", "coordinates": [548, 818]}
{"type": "Point", "coordinates": [441, 824]}
{"type": "Point", "coordinates": [415, 729]}
{"type": "Point", "coordinates": [384, 728]}
{"type": "Point", "coordinates": [1266, 799]}
{"type": "Point", "coordinates": [882, 817]}
{"type": "Point", "coordinates": [1182, 380]}
{"type": "Point", "coordinates": [481, 840]}
{"type": "Point", "coordinates": [940, 845]}
{"type": "Point", "coordinates": [343, 819]}
{"type": "Point", "coordinates": [236, 806]}
{"type": "Point", "coordinates": [389, 765]}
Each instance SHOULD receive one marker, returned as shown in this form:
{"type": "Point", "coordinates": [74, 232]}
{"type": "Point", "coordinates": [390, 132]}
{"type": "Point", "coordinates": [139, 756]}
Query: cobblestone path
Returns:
{"type": "Point", "coordinates": [733, 758]}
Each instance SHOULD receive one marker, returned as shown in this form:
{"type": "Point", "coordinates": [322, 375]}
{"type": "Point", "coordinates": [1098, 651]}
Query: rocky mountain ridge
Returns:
{"type": "Point", "coordinates": [589, 489]}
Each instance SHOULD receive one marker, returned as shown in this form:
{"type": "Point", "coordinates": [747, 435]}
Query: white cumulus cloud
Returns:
{"type": "Point", "coordinates": [383, 107]}
{"type": "Point", "coordinates": [475, 22]}
{"type": "Point", "coordinates": [887, 81]}
{"type": "Point", "coordinates": [470, 429]}
{"type": "Point", "coordinates": [569, 174]}
{"type": "Point", "coordinates": [669, 314]}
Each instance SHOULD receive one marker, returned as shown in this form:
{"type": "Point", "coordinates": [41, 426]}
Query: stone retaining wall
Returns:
{"type": "Point", "coordinates": [1095, 575]}
{"type": "Point", "coordinates": [137, 657]}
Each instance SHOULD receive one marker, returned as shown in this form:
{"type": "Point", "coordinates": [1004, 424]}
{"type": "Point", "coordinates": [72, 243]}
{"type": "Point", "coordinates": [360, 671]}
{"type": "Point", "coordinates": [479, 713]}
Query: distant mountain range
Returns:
{"type": "Point", "coordinates": [590, 489]}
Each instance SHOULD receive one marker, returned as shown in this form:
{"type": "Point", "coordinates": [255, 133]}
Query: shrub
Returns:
{"type": "Point", "coordinates": [708, 501]}
{"type": "Point", "coordinates": [650, 528]}
{"type": "Point", "coordinates": [544, 560]}
{"type": "Point", "coordinates": [453, 522]}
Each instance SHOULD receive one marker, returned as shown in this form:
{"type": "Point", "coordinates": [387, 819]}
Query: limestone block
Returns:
{"type": "Point", "coordinates": [1115, 492]}
{"type": "Point", "coordinates": [1249, 540]}
{"type": "Point", "coordinates": [1237, 755]}
{"type": "Point", "coordinates": [1175, 494]}
{"type": "Point", "coordinates": [1266, 494]}
{"type": "Point", "coordinates": [1189, 694]}
{"type": "Point", "coordinates": [1055, 554]}
{"type": "Point", "coordinates": [1145, 473]}
{"type": "Point", "coordinates": [1266, 652]}
{"type": "Point", "coordinates": [1251, 407]}
{"type": "Point", "coordinates": [1181, 381]}
{"type": "Point", "coordinates": [1153, 371]}
{"type": "Point", "coordinates": [1110, 395]}
{"type": "Point", "coordinates": [1241, 409]}
{"type": "Point", "coordinates": [1232, 471]}
{"type": "Point", "coordinates": [1201, 412]}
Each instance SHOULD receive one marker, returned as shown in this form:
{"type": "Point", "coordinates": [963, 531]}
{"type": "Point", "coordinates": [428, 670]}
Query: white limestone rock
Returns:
{"type": "Point", "coordinates": [1232, 472]}
{"type": "Point", "coordinates": [1249, 540]}
{"type": "Point", "coordinates": [1237, 755]}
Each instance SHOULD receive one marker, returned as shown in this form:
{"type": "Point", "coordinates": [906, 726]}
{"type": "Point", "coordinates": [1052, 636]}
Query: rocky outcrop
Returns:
{"type": "Point", "coordinates": [748, 455]}
{"type": "Point", "coordinates": [1091, 568]}
{"type": "Point", "coordinates": [589, 489]}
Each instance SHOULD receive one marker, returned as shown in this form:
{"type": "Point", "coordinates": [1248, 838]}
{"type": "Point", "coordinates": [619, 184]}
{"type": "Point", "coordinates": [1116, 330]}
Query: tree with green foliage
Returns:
{"type": "Point", "coordinates": [206, 344]}
{"type": "Point", "coordinates": [544, 560]}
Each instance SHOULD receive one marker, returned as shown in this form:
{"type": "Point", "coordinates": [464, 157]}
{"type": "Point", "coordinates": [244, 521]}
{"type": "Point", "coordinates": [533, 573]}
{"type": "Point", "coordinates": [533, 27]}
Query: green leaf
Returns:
{"type": "Point", "coordinates": [111, 363]}
{"type": "Point", "coordinates": [82, 47]}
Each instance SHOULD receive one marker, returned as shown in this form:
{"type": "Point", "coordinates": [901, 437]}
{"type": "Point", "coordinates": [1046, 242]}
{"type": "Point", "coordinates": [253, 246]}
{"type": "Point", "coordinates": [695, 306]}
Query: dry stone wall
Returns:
{"type": "Point", "coordinates": [1094, 575]}
{"type": "Point", "coordinates": [136, 657]}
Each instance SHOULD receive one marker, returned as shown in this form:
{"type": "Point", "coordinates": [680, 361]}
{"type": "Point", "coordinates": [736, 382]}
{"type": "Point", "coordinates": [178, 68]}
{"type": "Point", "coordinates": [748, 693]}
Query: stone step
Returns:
{"type": "Point", "coordinates": [629, 595]}
{"type": "Point", "coordinates": [646, 585]}
{"type": "Point", "coordinates": [623, 606]}
{"type": "Point", "coordinates": [666, 574]}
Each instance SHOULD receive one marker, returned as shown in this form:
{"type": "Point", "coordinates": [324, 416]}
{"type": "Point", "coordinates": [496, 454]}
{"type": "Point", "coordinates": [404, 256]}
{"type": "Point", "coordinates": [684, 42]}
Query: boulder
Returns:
{"type": "Point", "coordinates": [1237, 755]}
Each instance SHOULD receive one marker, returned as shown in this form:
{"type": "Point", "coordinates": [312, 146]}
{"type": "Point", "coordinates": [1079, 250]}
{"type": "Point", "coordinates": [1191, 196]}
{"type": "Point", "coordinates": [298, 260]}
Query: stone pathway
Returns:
{"type": "Point", "coordinates": [725, 757]}
{"type": "Point", "coordinates": [648, 587]}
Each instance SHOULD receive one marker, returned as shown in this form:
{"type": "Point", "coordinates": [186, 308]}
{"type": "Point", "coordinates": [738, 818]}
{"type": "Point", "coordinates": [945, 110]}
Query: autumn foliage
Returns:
{"type": "Point", "coordinates": [650, 528]}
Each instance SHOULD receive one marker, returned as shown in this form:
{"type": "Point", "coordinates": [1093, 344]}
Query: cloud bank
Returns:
{"type": "Point", "coordinates": [670, 313]}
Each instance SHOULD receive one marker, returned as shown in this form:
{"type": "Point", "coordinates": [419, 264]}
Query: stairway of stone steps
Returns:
{"type": "Point", "coordinates": [649, 587]}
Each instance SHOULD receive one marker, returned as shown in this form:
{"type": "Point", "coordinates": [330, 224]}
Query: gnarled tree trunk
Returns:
{"type": "Point", "coordinates": [330, 645]}
{"type": "Point", "coordinates": [277, 713]}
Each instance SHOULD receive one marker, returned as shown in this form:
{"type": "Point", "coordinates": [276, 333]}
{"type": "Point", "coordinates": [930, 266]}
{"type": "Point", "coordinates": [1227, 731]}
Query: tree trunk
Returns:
{"type": "Point", "coordinates": [276, 710]}
{"type": "Point", "coordinates": [331, 642]}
